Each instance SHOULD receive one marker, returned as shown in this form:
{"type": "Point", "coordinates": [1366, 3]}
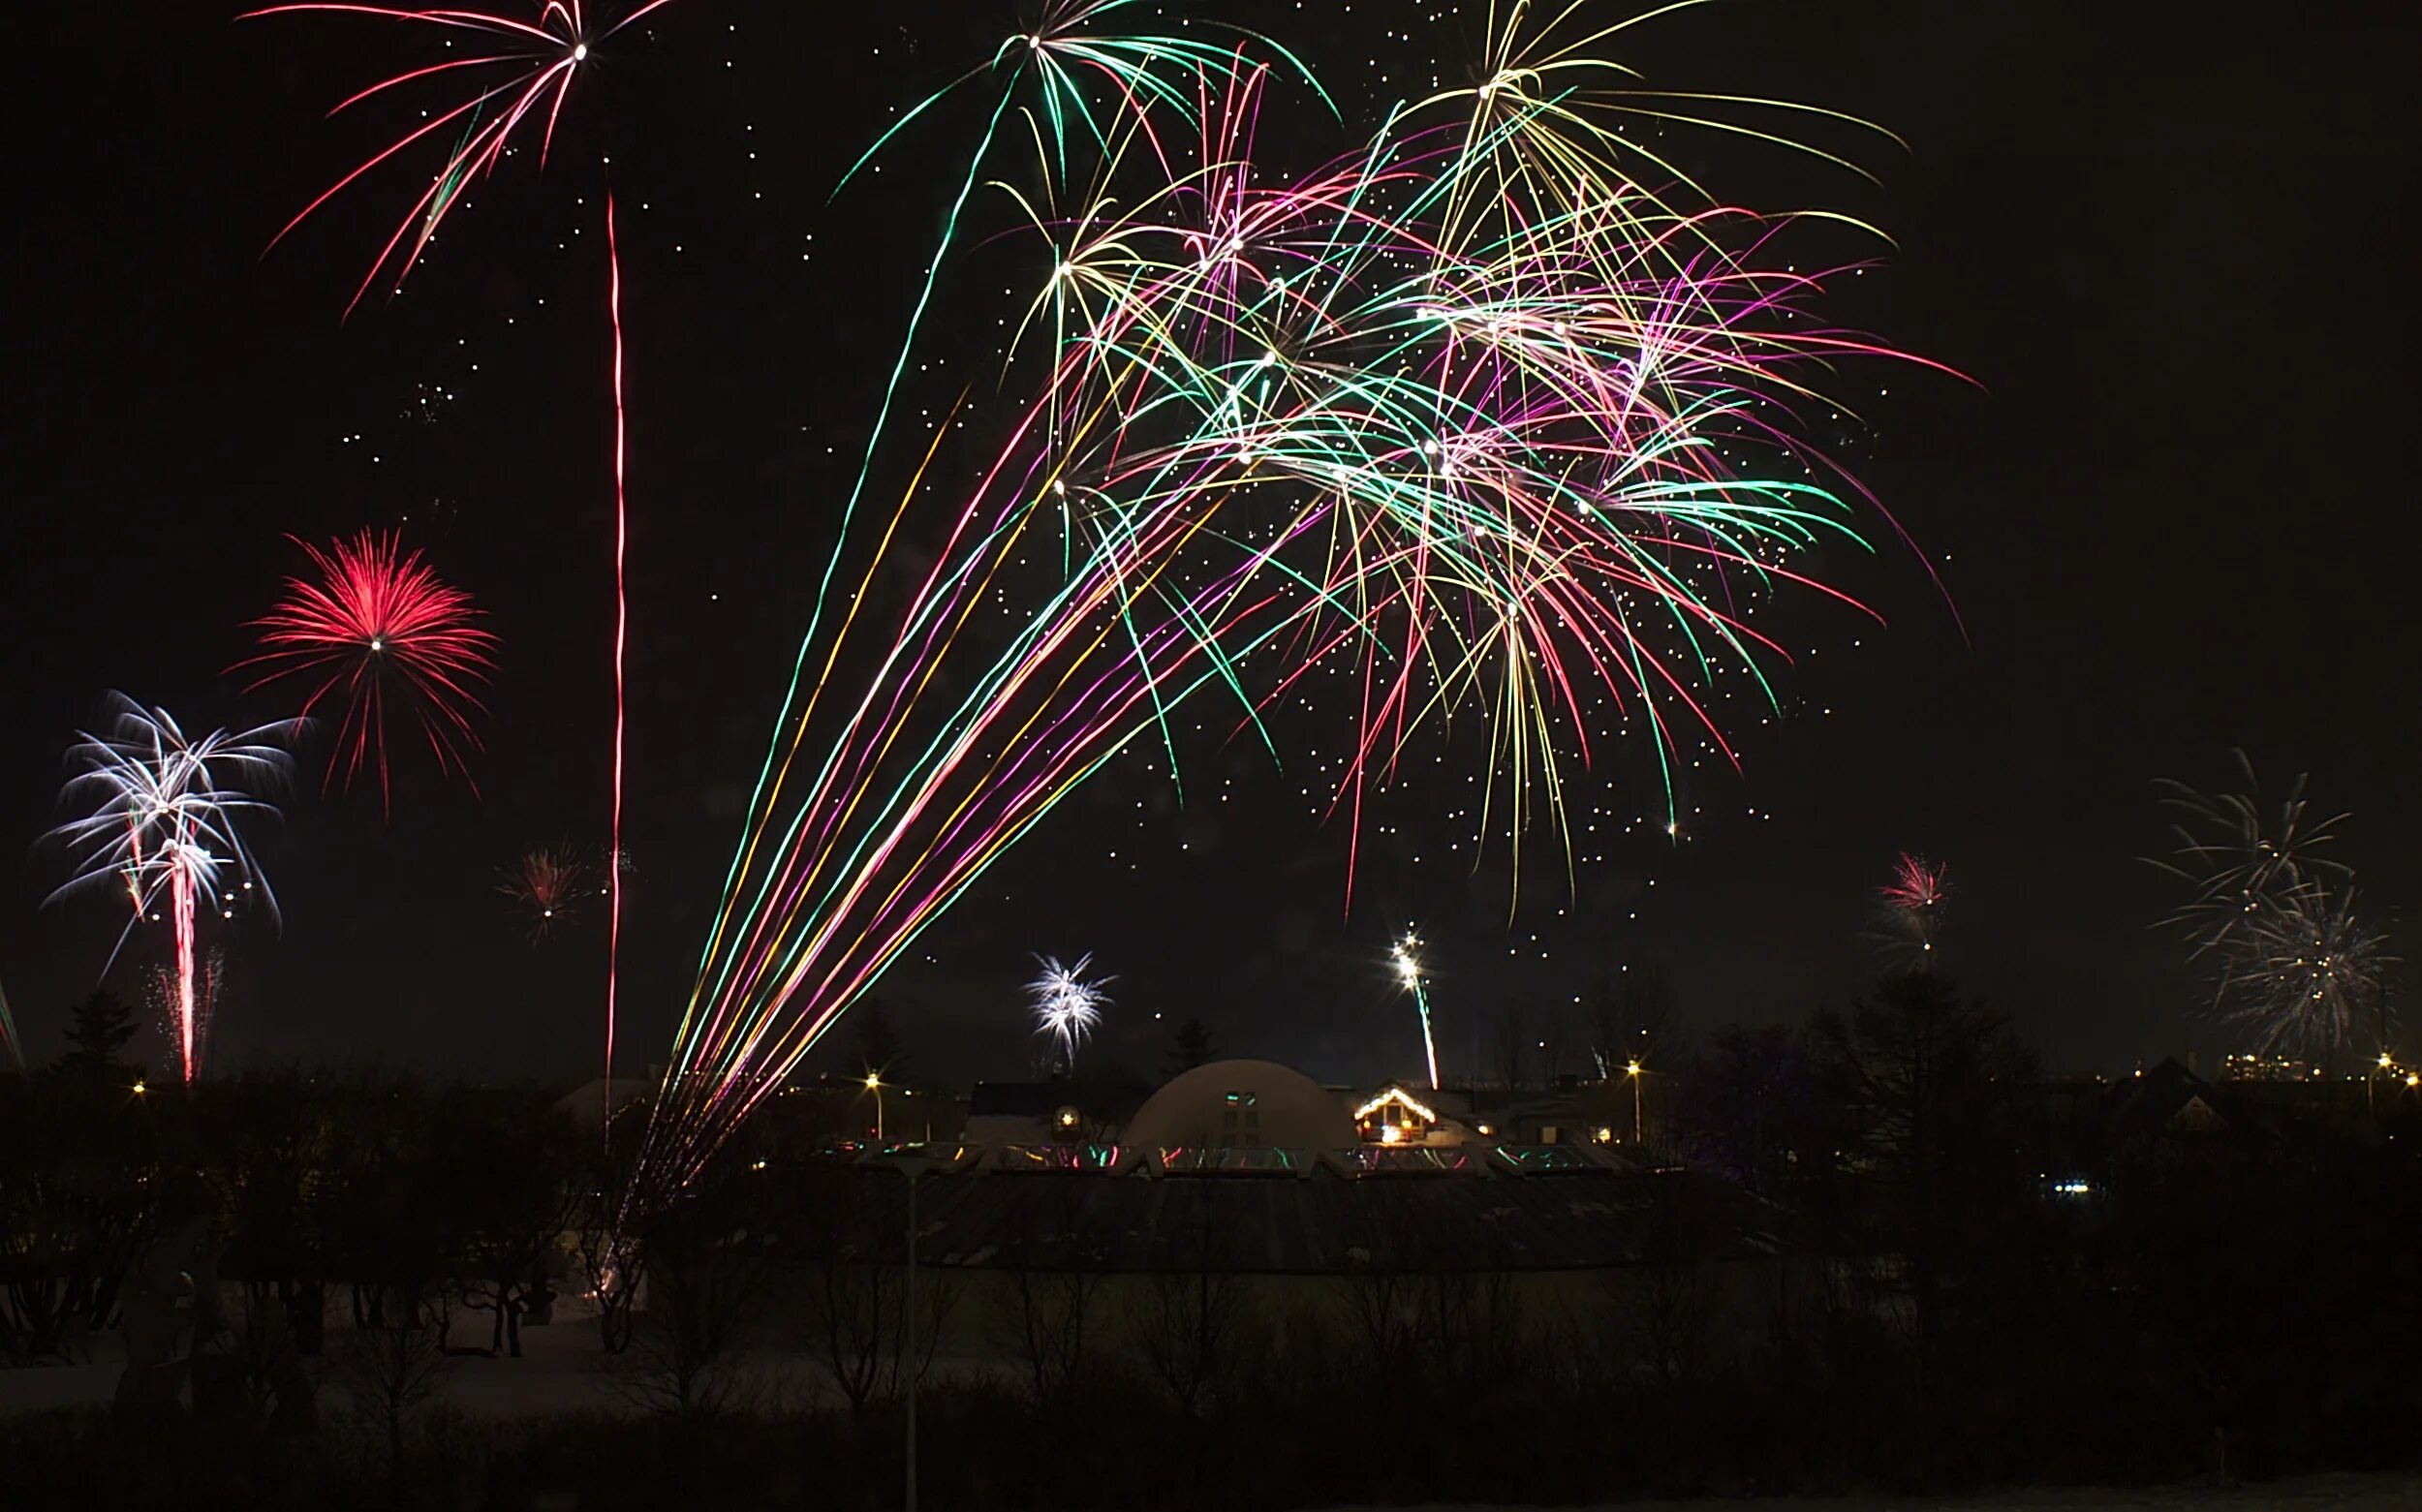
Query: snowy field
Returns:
{"type": "Point", "coordinates": [2310, 1494]}
{"type": "Point", "coordinates": [563, 1370]}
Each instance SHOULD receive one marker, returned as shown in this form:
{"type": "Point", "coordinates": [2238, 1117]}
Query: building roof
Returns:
{"type": "Point", "coordinates": [1255, 1104]}
{"type": "Point", "coordinates": [1325, 1213]}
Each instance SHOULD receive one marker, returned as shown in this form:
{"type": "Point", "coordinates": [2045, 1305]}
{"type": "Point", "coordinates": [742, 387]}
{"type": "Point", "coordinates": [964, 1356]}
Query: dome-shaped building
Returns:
{"type": "Point", "coordinates": [1243, 1106]}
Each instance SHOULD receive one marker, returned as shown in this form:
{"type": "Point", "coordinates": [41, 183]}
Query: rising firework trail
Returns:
{"type": "Point", "coordinates": [1408, 963]}
{"type": "Point", "coordinates": [373, 626]}
{"type": "Point", "coordinates": [516, 84]}
{"type": "Point", "coordinates": [158, 820]}
{"type": "Point", "coordinates": [1471, 436]}
{"type": "Point", "coordinates": [1067, 1007]}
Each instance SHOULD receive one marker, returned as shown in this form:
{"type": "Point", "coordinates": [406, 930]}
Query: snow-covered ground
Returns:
{"type": "Point", "coordinates": [2308, 1493]}
{"type": "Point", "coordinates": [563, 1368]}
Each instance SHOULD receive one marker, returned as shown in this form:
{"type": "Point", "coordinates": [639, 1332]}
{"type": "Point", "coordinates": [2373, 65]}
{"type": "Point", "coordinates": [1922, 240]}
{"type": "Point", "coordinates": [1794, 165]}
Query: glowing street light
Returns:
{"type": "Point", "coordinates": [1632, 1071]}
{"type": "Point", "coordinates": [874, 1083]}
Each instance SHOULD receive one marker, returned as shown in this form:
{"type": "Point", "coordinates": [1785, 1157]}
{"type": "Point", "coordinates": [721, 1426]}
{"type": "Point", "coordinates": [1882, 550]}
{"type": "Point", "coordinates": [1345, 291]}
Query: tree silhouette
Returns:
{"type": "Point", "coordinates": [103, 1023]}
{"type": "Point", "coordinates": [1192, 1047]}
{"type": "Point", "coordinates": [876, 1045]}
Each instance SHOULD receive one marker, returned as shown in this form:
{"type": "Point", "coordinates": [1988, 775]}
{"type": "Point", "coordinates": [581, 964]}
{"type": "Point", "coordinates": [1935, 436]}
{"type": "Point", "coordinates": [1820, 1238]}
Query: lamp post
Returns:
{"type": "Point", "coordinates": [1633, 1070]}
{"type": "Point", "coordinates": [874, 1083]}
{"type": "Point", "coordinates": [914, 1162]}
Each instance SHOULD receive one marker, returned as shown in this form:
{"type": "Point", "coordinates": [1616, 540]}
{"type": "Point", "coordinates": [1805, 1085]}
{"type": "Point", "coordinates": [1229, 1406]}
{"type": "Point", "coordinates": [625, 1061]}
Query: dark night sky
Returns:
{"type": "Point", "coordinates": [2170, 515]}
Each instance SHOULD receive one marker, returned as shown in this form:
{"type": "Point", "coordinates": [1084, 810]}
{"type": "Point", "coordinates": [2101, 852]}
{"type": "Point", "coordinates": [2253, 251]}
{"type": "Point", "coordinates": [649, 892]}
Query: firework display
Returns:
{"type": "Point", "coordinates": [158, 817]}
{"type": "Point", "coordinates": [1910, 909]}
{"type": "Point", "coordinates": [520, 76]}
{"type": "Point", "coordinates": [1481, 438]}
{"type": "Point", "coordinates": [376, 625]}
{"type": "Point", "coordinates": [1067, 1007]}
{"type": "Point", "coordinates": [2273, 918]}
{"type": "Point", "coordinates": [513, 83]}
{"type": "Point", "coordinates": [549, 886]}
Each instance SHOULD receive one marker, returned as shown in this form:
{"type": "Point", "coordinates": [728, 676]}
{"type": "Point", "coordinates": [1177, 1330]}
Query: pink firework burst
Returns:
{"type": "Point", "coordinates": [521, 72]}
{"type": "Point", "coordinates": [377, 621]}
{"type": "Point", "coordinates": [1918, 885]}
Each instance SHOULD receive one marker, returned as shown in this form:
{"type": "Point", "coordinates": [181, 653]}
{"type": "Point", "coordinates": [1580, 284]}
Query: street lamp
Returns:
{"type": "Point", "coordinates": [874, 1083]}
{"type": "Point", "coordinates": [914, 1162]}
{"type": "Point", "coordinates": [1633, 1070]}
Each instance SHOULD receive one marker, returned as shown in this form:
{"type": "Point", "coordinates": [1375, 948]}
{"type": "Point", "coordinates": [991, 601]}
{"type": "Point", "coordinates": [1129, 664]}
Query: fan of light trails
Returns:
{"type": "Point", "coordinates": [1468, 430]}
{"type": "Point", "coordinates": [375, 614]}
{"type": "Point", "coordinates": [158, 820]}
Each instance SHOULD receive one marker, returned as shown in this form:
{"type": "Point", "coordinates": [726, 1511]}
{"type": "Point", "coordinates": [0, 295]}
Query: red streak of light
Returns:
{"type": "Point", "coordinates": [622, 620]}
{"type": "Point", "coordinates": [181, 909]}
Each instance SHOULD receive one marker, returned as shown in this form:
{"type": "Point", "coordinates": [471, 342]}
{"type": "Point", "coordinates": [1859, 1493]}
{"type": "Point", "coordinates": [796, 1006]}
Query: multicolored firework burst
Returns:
{"type": "Point", "coordinates": [160, 822]}
{"type": "Point", "coordinates": [1067, 1007]}
{"type": "Point", "coordinates": [377, 616]}
{"type": "Point", "coordinates": [550, 887]}
{"type": "Point", "coordinates": [1465, 433]}
{"type": "Point", "coordinates": [2274, 920]}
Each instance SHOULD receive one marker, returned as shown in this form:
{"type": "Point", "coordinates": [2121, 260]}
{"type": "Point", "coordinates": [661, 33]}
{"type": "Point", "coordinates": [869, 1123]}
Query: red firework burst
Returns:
{"type": "Point", "coordinates": [523, 72]}
{"type": "Point", "coordinates": [378, 616]}
{"type": "Point", "coordinates": [549, 886]}
{"type": "Point", "coordinates": [1918, 885]}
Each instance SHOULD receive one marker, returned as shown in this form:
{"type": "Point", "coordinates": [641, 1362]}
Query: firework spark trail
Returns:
{"type": "Point", "coordinates": [161, 822]}
{"type": "Point", "coordinates": [1503, 401]}
{"type": "Point", "coordinates": [377, 612]}
{"type": "Point", "coordinates": [622, 621]}
{"type": "Point", "coordinates": [1135, 67]}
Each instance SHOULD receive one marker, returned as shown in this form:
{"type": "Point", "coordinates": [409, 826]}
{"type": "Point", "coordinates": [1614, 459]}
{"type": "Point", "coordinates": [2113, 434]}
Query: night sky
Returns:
{"type": "Point", "coordinates": [2171, 515]}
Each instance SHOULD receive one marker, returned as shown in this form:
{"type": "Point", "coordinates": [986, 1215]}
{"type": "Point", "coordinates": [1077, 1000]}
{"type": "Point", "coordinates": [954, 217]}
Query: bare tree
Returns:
{"type": "Point", "coordinates": [1667, 1303]}
{"type": "Point", "coordinates": [390, 1368]}
{"type": "Point", "coordinates": [1187, 1319]}
{"type": "Point", "coordinates": [1430, 1304]}
{"type": "Point", "coordinates": [1049, 1287]}
{"type": "Point", "coordinates": [862, 1323]}
{"type": "Point", "coordinates": [1631, 1018]}
{"type": "Point", "coordinates": [1513, 1045]}
{"type": "Point", "coordinates": [705, 1284]}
